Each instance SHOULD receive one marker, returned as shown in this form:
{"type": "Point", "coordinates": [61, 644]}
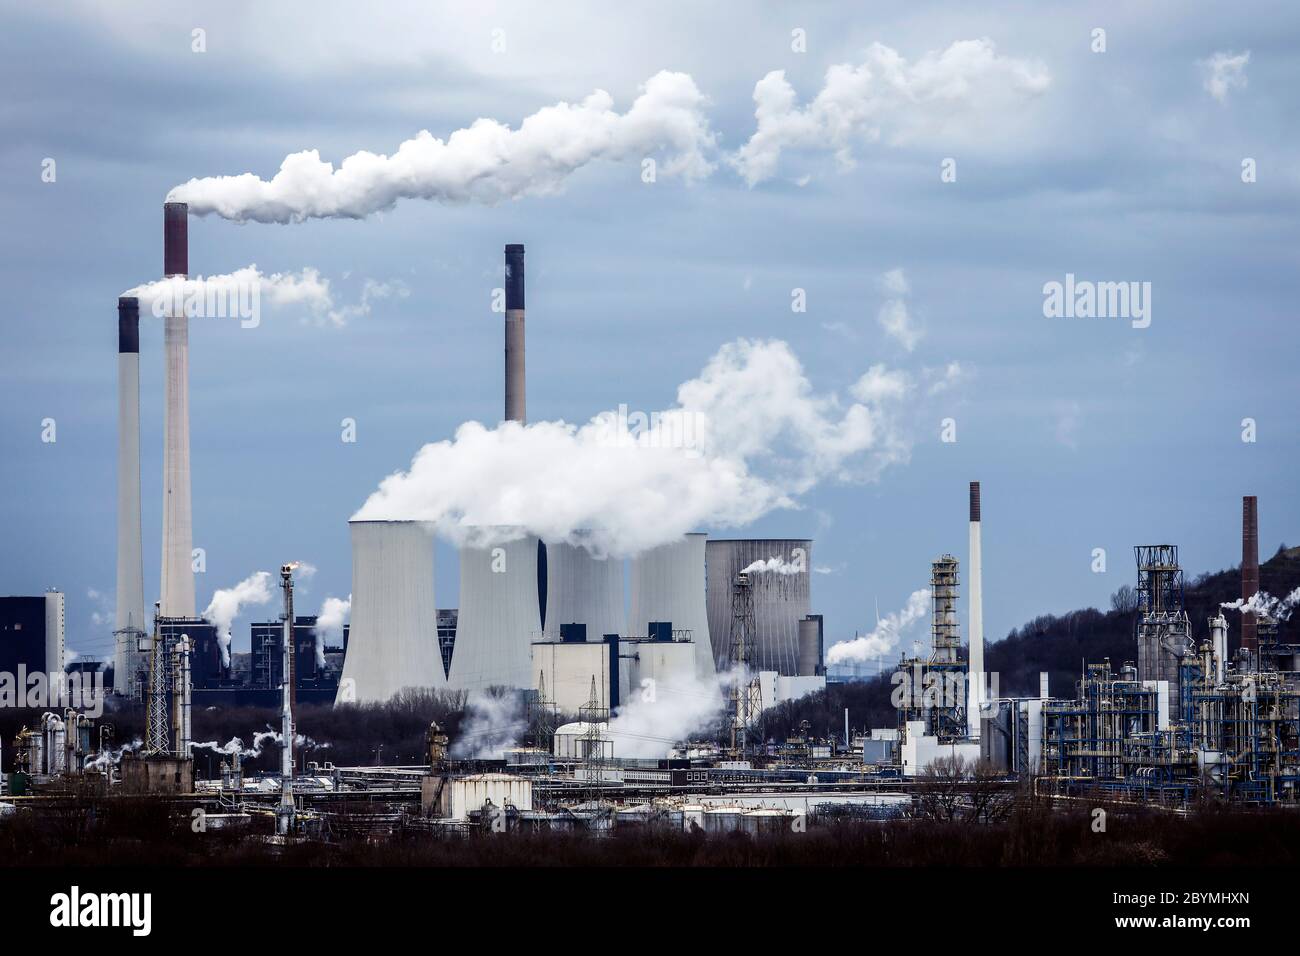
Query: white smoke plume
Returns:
{"type": "Point", "coordinates": [111, 758]}
{"type": "Point", "coordinates": [883, 639]}
{"type": "Point", "coordinates": [487, 162]}
{"type": "Point", "coordinates": [228, 602]}
{"type": "Point", "coordinates": [887, 98]}
{"type": "Point", "coordinates": [657, 717]}
{"type": "Point", "coordinates": [775, 565]}
{"type": "Point", "coordinates": [242, 293]}
{"type": "Point", "coordinates": [329, 624]}
{"type": "Point", "coordinates": [492, 722]}
{"type": "Point", "coordinates": [1261, 602]}
{"type": "Point", "coordinates": [235, 745]}
{"type": "Point", "coordinates": [760, 437]}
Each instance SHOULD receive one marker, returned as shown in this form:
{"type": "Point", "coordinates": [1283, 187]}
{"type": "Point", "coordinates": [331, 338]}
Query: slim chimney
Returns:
{"type": "Point", "coordinates": [178, 534]}
{"type": "Point", "coordinates": [1249, 568]}
{"type": "Point", "coordinates": [975, 675]}
{"type": "Point", "coordinates": [515, 391]}
{"type": "Point", "coordinates": [129, 625]}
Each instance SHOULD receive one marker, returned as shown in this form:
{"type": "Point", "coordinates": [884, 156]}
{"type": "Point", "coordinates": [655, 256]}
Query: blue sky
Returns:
{"type": "Point", "coordinates": [1086, 433]}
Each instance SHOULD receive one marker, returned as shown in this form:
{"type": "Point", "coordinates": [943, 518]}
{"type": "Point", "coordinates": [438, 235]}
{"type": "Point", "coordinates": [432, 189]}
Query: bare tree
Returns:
{"type": "Point", "coordinates": [1124, 600]}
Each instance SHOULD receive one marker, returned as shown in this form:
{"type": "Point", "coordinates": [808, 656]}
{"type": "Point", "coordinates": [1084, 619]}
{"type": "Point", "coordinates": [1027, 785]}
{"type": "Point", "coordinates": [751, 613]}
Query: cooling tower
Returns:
{"type": "Point", "coordinates": [974, 590]}
{"type": "Point", "coordinates": [500, 616]}
{"type": "Point", "coordinates": [129, 625]}
{"type": "Point", "coordinates": [178, 535]}
{"type": "Point", "coordinates": [393, 636]}
{"type": "Point", "coordinates": [582, 589]}
{"type": "Point", "coordinates": [668, 584]}
{"type": "Point", "coordinates": [516, 410]}
{"type": "Point", "coordinates": [780, 600]}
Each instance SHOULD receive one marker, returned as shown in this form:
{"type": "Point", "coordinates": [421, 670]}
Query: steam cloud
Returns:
{"type": "Point", "coordinates": [885, 97]}
{"type": "Point", "coordinates": [487, 162]}
{"type": "Point", "coordinates": [775, 565]}
{"type": "Point", "coordinates": [228, 602]}
{"type": "Point", "coordinates": [235, 745]}
{"type": "Point", "coordinates": [651, 722]}
{"type": "Point", "coordinates": [760, 438]}
{"type": "Point", "coordinates": [329, 624]}
{"type": "Point", "coordinates": [240, 294]}
{"type": "Point", "coordinates": [1263, 603]}
{"type": "Point", "coordinates": [884, 637]}
{"type": "Point", "coordinates": [492, 722]}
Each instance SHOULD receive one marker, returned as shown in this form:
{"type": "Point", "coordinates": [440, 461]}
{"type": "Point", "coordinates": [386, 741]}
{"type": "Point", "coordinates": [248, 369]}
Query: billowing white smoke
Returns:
{"type": "Point", "coordinates": [760, 437]}
{"type": "Point", "coordinates": [491, 723]}
{"type": "Point", "coordinates": [654, 719]}
{"type": "Point", "coordinates": [228, 602]}
{"type": "Point", "coordinates": [329, 624]}
{"type": "Point", "coordinates": [111, 758]}
{"type": "Point", "coordinates": [235, 745]}
{"type": "Point", "coordinates": [885, 97]}
{"type": "Point", "coordinates": [241, 294]}
{"type": "Point", "coordinates": [1261, 602]}
{"type": "Point", "coordinates": [883, 639]}
{"type": "Point", "coordinates": [775, 565]}
{"type": "Point", "coordinates": [487, 162]}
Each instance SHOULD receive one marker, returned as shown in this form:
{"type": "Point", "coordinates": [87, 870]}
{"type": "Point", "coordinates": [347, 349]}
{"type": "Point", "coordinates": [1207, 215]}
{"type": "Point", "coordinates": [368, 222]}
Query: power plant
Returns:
{"type": "Point", "coordinates": [596, 692]}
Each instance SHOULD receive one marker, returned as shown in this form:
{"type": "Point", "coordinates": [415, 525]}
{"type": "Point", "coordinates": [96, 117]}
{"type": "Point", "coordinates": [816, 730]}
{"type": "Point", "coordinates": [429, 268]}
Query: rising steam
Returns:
{"type": "Point", "coordinates": [883, 639]}
{"type": "Point", "coordinates": [228, 602]}
{"type": "Point", "coordinates": [487, 162]}
{"type": "Point", "coordinates": [759, 438]}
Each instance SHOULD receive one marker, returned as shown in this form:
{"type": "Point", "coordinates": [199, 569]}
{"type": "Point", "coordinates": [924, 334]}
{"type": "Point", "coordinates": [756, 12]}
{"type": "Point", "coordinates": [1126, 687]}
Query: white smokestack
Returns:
{"type": "Point", "coordinates": [975, 677]}
{"type": "Point", "coordinates": [668, 585]}
{"type": "Point", "coordinates": [178, 532]}
{"type": "Point", "coordinates": [130, 623]}
{"type": "Point", "coordinates": [393, 642]}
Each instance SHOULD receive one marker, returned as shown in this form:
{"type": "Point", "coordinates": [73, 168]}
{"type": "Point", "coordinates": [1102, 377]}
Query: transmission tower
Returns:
{"type": "Point", "coordinates": [745, 696]}
{"type": "Point", "coordinates": [595, 744]}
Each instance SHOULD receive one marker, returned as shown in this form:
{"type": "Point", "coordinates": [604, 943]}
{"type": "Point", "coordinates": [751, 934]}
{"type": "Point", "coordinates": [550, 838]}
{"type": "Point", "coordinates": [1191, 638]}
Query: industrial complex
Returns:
{"type": "Point", "coordinates": [635, 688]}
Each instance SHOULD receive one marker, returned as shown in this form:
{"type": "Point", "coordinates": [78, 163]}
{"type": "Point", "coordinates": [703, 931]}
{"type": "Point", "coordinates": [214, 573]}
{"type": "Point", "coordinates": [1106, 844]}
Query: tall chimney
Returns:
{"type": "Point", "coordinates": [178, 535]}
{"type": "Point", "coordinates": [515, 405]}
{"type": "Point", "coordinates": [975, 670]}
{"type": "Point", "coordinates": [1249, 568]}
{"type": "Point", "coordinates": [130, 621]}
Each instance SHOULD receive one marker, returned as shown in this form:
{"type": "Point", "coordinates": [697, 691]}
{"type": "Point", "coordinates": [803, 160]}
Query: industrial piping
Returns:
{"type": "Point", "coordinates": [516, 410]}
{"type": "Point", "coordinates": [130, 620]}
{"type": "Point", "coordinates": [178, 536]}
{"type": "Point", "coordinates": [975, 658]}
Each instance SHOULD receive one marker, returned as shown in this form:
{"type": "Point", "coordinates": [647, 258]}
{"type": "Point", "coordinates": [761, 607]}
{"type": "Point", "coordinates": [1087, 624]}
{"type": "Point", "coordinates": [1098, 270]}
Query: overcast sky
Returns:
{"type": "Point", "coordinates": [1121, 166]}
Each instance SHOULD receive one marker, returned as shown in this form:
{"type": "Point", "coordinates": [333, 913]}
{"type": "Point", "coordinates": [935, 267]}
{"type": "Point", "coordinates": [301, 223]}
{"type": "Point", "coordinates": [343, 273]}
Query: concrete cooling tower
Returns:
{"type": "Point", "coordinates": [500, 616]}
{"type": "Point", "coordinates": [668, 584]}
{"type": "Point", "coordinates": [781, 600]}
{"type": "Point", "coordinates": [393, 640]}
{"type": "Point", "coordinates": [582, 589]}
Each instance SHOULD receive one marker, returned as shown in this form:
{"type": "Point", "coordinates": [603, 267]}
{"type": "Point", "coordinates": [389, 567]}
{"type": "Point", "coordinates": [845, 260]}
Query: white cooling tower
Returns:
{"type": "Point", "coordinates": [393, 639]}
{"type": "Point", "coordinates": [499, 616]}
{"type": "Point", "coordinates": [668, 585]}
{"type": "Point", "coordinates": [582, 589]}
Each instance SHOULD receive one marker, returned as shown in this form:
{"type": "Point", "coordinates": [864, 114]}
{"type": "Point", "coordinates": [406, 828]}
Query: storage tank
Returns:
{"type": "Point", "coordinates": [781, 600]}
{"type": "Point", "coordinates": [500, 616]}
{"type": "Point", "coordinates": [668, 584]}
{"type": "Point", "coordinates": [393, 636]}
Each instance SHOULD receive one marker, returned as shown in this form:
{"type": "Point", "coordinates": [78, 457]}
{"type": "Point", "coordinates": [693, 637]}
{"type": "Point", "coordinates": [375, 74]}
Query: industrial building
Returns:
{"type": "Point", "coordinates": [781, 598]}
{"type": "Point", "coordinates": [32, 633]}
